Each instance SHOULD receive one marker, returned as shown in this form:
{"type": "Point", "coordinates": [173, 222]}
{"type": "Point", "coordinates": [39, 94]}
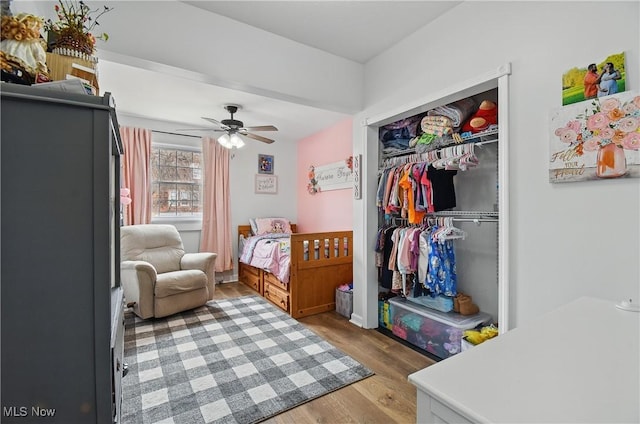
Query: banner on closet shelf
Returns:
{"type": "Point", "coordinates": [595, 139]}
{"type": "Point", "coordinates": [333, 176]}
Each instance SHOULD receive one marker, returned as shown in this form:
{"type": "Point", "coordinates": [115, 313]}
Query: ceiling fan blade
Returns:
{"type": "Point", "coordinates": [218, 123]}
{"type": "Point", "coordinates": [262, 128]}
{"type": "Point", "coordinates": [200, 129]}
{"type": "Point", "coordinates": [258, 137]}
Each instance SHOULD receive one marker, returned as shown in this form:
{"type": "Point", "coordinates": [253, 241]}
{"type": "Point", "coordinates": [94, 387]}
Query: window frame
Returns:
{"type": "Point", "coordinates": [183, 221]}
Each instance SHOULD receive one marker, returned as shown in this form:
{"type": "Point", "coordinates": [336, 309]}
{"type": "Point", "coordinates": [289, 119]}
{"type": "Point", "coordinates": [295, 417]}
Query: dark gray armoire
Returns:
{"type": "Point", "coordinates": [62, 304]}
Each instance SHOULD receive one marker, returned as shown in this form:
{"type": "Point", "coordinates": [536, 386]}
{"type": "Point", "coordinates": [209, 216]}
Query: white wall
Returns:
{"type": "Point", "coordinates": [567, 240]}
{"type": "Point", "coordinates": [245, 203]}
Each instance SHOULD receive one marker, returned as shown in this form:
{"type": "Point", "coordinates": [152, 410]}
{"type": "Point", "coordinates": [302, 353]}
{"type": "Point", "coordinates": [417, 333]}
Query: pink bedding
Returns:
{"type": "Point", "coordinates": [270, 252]}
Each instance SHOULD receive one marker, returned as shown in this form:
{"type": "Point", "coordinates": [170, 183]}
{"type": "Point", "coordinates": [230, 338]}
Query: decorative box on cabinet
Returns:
{"type": "Point", "coordinates": [62, 305]}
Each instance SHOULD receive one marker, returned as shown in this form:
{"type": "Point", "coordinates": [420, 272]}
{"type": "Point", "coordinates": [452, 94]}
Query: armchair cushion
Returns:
{"type": "Point", "coordinates": [205, 262]}
{"type": "Point", "coordinates": [178, 282]}
{"type": "Point", "coordinates": [160, 245]}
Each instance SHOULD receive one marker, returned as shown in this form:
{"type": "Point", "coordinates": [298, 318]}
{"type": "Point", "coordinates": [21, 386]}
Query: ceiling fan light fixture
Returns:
{"type": "Point", "coordinates": [233, 128]}
{"type": "Point", "coordinates": [236, 141]}
{"type": "Point", "coordinates": [225, 141]}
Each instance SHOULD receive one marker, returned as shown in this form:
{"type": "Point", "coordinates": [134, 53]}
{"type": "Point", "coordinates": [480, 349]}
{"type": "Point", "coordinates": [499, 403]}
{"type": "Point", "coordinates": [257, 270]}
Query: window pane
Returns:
{"type": "Point", "coordinates": [197, 174]}
{"type": "Point", "coordinates": [184, 158]}
{"type": "Point", "coordinates": [168, 157]}
{"type": "Point", "coordinates": [168, 173]}
{"type": "Point", "coordinates": [168, 208]}
{"type": "Point", "coordinates": [155, 199]}
{"type": "Point", "coordinates": [155, 155]}
{"type": "Point", "coordinates": [185, 174]}
{"type": "Point", "coordinates": [196, 160]}
{"type": "Point", "coordinates": [154, 173]}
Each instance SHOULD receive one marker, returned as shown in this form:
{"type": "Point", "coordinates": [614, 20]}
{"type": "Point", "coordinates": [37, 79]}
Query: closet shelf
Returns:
{"type": "Point", "coordinates": [479, 139]}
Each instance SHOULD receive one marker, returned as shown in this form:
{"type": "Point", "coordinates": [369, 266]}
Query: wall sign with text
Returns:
{"type": "Point", "coordinates": [333, 176]}
{"type": "Point", "coordinates": [266, 184]}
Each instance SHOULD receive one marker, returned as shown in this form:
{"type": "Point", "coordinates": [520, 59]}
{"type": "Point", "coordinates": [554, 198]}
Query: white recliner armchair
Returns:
{"type": "Point", "coordinates": [158, 277]}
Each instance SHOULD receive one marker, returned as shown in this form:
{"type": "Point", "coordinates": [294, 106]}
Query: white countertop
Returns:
{"type": "Point", "coordinates": [577, 364]}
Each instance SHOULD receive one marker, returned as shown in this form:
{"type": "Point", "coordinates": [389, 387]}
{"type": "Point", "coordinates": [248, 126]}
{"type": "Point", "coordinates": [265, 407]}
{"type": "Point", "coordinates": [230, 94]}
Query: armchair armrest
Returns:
{"type": "Point", "coordinates": [205, 262]}
{"type": "Point", "coordinates": [138, 282]}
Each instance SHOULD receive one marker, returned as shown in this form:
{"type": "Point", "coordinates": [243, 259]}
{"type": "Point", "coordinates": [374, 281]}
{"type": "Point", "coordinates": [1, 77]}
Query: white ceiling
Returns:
{"type": "Point", "coordinates": [356, 30]}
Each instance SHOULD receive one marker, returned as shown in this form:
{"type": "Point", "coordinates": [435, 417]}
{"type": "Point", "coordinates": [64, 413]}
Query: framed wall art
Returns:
{"type": "Point", "coordinates": [265, 164]}
{"type": "Point", "coordinates": [266, 184]}
{"type": "Point", "coordinates": [601, 78]}
{"type": "Point", "coordinates": [596, 139]}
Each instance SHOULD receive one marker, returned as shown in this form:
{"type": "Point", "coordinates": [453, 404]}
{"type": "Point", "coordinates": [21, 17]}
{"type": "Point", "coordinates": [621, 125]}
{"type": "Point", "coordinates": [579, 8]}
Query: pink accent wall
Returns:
{"type": "Point", "coordinates": [330, 210]}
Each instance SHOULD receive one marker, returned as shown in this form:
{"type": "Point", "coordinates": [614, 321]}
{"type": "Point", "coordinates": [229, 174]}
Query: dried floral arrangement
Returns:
{"type": "Point", "coordinates": [76, 25]}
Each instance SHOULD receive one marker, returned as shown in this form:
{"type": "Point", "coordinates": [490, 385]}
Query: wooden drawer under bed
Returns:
{"type": "Point", "coordinates": [278, 297]}
{"type": "Point", "coordinates": [268, 277]}
{"type": "Point", "coordinates": [251, 276]}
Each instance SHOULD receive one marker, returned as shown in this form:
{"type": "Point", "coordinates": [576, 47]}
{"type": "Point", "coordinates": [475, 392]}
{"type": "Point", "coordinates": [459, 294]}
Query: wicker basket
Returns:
{"type": "Point", "coordinates": [74, 41]}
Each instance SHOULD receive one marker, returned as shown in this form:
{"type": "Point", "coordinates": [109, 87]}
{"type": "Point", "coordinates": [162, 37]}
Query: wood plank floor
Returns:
{"type": "Point", "coordinates": [387, 397]}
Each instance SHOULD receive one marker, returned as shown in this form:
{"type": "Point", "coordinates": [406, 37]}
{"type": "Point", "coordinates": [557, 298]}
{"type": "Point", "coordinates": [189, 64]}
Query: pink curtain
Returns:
{"type": "Point", "coordinates": [136, 174]}
{"type": "Point", "coordinates": [216, 209]}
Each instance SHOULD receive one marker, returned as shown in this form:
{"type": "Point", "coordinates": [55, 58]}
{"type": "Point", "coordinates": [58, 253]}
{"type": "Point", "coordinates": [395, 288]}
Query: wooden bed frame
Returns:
{"type": "Point", "coordinates": [314, 274]}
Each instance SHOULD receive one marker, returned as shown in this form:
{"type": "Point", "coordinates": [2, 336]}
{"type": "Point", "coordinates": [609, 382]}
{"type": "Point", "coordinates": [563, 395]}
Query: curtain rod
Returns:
{"type": "Point", "coordinates": [172, 133]}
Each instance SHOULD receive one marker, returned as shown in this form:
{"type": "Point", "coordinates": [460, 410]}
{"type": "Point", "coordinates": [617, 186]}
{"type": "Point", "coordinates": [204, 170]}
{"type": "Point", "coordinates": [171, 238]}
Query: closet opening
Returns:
{"type": "Point", "coordinates": [470, 215]}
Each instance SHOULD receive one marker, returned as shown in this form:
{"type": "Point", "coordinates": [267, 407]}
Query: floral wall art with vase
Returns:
{"type": "Point", "coordinates": [596, 139]}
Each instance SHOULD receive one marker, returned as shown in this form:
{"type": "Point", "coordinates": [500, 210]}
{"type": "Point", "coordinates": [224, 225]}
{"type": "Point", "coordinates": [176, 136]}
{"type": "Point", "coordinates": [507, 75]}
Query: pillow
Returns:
{"type": "Point", "coordinates": [254, 226]}
{"type": "Point", "coordinates": [273, 225]}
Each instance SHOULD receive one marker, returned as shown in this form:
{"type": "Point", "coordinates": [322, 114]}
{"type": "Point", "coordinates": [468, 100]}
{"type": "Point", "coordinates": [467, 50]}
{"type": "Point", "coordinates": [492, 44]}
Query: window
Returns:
{"type": "Point", "coordinates": [176, 182]}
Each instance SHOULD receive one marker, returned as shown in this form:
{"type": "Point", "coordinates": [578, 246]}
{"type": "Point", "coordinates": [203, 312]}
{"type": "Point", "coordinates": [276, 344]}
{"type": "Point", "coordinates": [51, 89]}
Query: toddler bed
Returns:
{"type": "Point", "coordinates": [301, 274]}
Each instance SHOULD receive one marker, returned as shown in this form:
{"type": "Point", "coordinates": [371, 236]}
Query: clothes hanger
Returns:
{"type": "Point", "coordinates": [451, 232]}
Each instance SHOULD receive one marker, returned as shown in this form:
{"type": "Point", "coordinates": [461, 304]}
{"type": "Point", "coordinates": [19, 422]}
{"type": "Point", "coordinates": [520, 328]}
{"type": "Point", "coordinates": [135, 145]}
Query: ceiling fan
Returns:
{"type": "Point", "coordinates": [233, 128]}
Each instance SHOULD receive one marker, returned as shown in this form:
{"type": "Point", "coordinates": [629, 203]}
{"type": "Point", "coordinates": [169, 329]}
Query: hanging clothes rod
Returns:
{"type": "Point", "coordinates": [477, 221]}
{"type": "Point", "coordinates": [468, 214]}
{"type": "Point", "coordinates": [172, 133]}
{"type": "Point", "coordinates": [480, 143]}
{"type": "Point", "coordinates": [465, 216]}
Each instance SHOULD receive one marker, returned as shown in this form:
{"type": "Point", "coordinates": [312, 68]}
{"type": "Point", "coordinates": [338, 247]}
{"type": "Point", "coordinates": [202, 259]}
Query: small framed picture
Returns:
{"type": "Point", "coordinates": [266, 184]}
{"type": "Point", "coordinates": [265, 164]}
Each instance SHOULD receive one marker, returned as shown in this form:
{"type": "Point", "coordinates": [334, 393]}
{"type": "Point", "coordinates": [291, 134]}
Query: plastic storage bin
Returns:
{"type": "Point", "coordinates": [439, 333]}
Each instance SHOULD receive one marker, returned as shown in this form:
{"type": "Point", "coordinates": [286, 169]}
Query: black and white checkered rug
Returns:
{"type": "Point", "coordinates": [232, 361]}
